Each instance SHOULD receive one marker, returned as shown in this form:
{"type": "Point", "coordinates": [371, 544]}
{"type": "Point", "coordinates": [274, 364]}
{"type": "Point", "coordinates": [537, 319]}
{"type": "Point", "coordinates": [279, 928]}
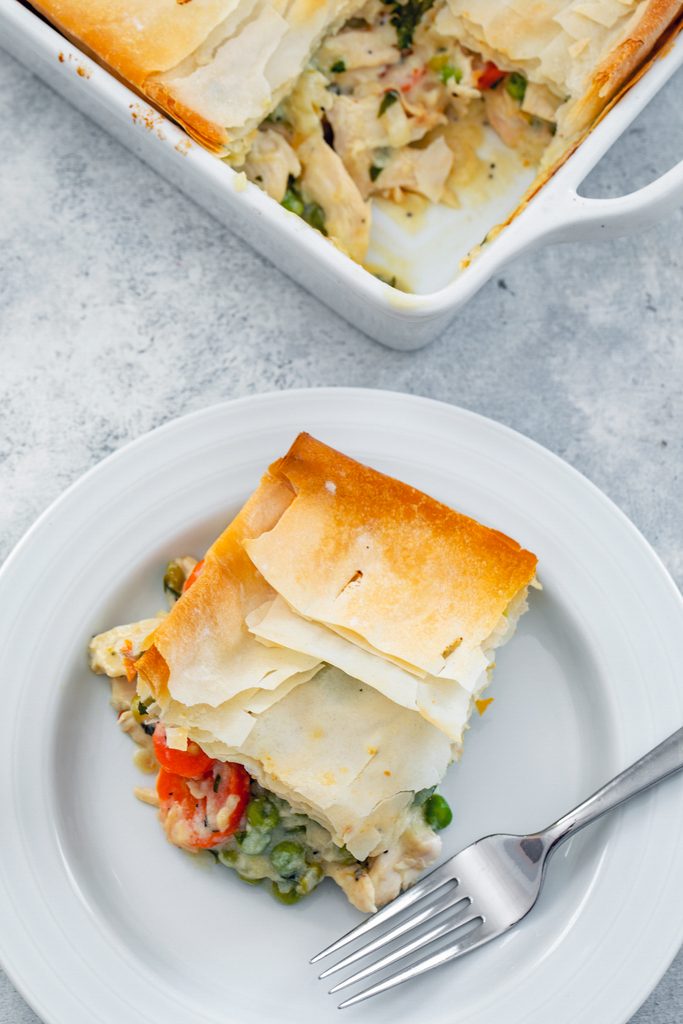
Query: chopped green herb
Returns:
{"type": "Point", "coordinates": [216, 783]}
{"type": "Point", "coordinates": [391, 281]}
{"type": "Point", "coordinates": [375, 172]}
{"type": "Point", "coordinates": [388, 100]}
{"type": "Point", "coordinates": [406, 17]}
{"type": "Point", "coordinates": [338, 67]}
{"type": "Point", "coordinates": [516, 86]}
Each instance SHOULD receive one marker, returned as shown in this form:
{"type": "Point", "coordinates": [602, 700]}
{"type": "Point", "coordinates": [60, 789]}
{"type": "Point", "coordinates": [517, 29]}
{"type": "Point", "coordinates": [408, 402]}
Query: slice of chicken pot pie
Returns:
{"type": "Point", "coordinates": [327, 103]}
{"type": "Point", "coordinates": [341, 620]}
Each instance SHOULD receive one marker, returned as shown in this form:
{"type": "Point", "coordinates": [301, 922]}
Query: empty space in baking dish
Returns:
{"type": "Point", "coordinates": [423, 244]}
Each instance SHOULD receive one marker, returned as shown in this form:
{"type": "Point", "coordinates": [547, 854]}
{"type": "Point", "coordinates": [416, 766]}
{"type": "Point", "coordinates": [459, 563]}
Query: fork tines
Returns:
{"type": "Point", "coordinates": [429, 884]}
{"type": "Point", "coordinates": [476, 937]}
{"type": "Point", "coordinates": [439, 894]}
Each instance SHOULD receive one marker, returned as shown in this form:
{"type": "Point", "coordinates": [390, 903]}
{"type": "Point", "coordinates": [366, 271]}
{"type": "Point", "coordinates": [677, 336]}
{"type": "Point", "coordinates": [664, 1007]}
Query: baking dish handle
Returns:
{"type": "Point", "coordinates": [581, 219]}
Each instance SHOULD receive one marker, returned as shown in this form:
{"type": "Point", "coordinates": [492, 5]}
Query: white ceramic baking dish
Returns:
{"type": "Point", "coordinates": [428, 256]}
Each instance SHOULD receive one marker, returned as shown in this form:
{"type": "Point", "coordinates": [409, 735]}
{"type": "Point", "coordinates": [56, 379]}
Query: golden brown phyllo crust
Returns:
{"type": "Point", "coordinates": [372, 557]}
{"type": "Point", "coordinates": [155, 45]}
{"type": "Point", "coordinates": [376, 558]}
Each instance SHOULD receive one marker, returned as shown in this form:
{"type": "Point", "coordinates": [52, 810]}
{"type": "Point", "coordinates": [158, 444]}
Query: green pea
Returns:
{"type": "Point", "coordinates": [447, 72]}
{"type": "Point", "coordinates": [293, 202]}
{"type": "Point", "coordinates": [174, 577]}
{"type": "Point", "coordinates": [288, 858]}
{"type": "Point", "coordinates": [516, 86]}
{"type": "Point", "coordinates": [286, 896]}
{"type": "Point", "coordinates": [254, 841]}
{"type": "Point", "coordinates": [261, 813]}
{"type": "Point", "coordinates": [437, 812]}
{"type": "Point", "coordinates": [313, 876]}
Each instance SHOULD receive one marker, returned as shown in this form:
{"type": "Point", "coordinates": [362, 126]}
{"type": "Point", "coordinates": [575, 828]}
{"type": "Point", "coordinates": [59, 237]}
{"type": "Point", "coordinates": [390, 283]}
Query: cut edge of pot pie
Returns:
{"type": "Point", "coordinates": [340, 621]}
{"type": "Point", "coordinates": [326, 104]}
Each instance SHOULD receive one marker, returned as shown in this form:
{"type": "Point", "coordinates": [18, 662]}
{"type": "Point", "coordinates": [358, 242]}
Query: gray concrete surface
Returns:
{"type": "Point", "coordinates": [122, 305]}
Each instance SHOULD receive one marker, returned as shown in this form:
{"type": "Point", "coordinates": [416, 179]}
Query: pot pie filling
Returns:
{"type": "Point", "coordinates": [392, 105]}
{"type": "Point", "coordinates": [216, 807]}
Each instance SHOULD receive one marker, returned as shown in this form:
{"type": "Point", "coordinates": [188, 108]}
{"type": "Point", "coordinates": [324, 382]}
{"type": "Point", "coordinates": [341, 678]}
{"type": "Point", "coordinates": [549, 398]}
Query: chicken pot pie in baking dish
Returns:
{"type": "Point", "coordinates": [303, 698]}
{"type": "Point", "coordinates": [327, 104]}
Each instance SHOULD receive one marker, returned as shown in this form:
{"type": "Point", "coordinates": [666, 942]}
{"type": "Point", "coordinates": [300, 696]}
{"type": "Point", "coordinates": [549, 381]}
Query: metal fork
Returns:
{"type": "Point", "coordinates": [485, 889]}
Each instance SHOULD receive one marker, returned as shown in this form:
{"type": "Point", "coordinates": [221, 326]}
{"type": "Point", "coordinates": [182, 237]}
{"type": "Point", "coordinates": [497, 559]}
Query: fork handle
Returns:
{"type": "Point", "coordinates": [655, 766]}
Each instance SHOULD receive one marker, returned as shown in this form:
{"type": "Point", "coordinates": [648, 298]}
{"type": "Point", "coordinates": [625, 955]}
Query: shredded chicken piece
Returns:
{"type": "Point", "coordinates": [356, 884]}
{"type": "Point", "coordinates": [146, 795]}
{"type": "Point", "coordinates": [113, 651]}
{"type": "Point", "coordinates": [519, 130]}
{"type": "Point", "coordinates": [389, 873]}
{"type": "Point", "coordinates": [540, 102]}
{"type": "Point", "coordinates": [398, 868]}
{"type": "Point", "coordinates": [128, 724]}
{"type": "Point", "coordinates": [145, 761]}
{"type": "Point", "coordinates": [358, 131]}
{"type": "Point", "coordinates": [505, 116]}
{"type": "Point", "coordinates": [360, 48]}
{"type": "Point", "coordinates": [326, 181]}
{"type": "Point", "coordinates": [270, 163]}
{"type": "Point", "coordinates": [122, 693]}
{"type": "Point", "coordinates": [419, 170]}
{"type": "Point", "coordinates": [306, 105]}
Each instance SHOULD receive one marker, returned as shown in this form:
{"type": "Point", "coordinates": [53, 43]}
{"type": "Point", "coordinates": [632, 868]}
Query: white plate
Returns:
{"type": "Point", "coordinates": [103, 921]}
